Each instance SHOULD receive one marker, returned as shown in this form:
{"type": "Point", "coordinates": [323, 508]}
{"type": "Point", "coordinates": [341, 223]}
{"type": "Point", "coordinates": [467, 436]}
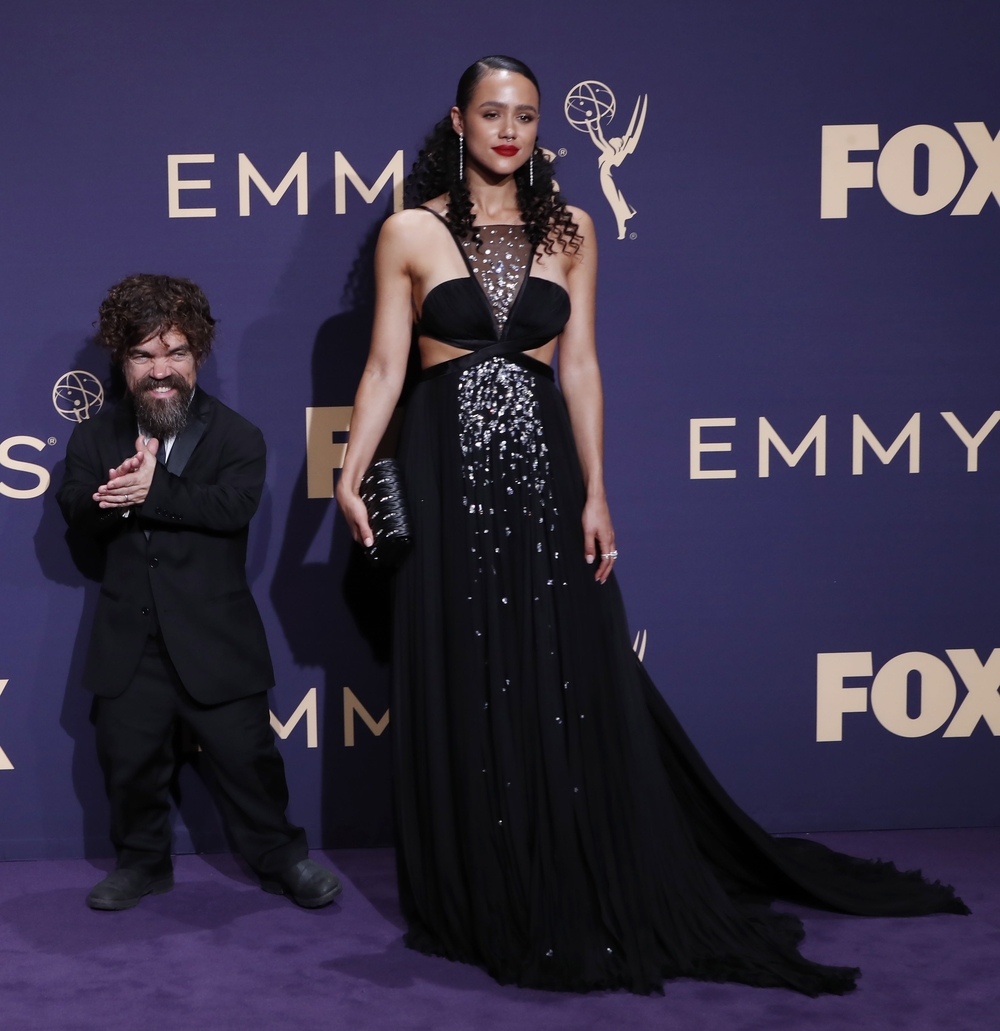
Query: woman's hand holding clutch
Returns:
{"type": "Point", "coordinates": [354, 511]}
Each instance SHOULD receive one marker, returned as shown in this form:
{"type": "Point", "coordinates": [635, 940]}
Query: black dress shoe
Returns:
{"type": "Point", "coordinates": [122, 889]}
{"type": "Point", "coordinates": [306, 883]}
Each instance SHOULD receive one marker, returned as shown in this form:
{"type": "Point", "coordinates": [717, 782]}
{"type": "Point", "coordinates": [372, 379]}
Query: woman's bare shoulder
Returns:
{"type": "Point", "coordinates": [419, 216]}
{"type": "Point", "coordinates": [406, 221]}
{"type": "Point", "coordinates": [406, 229]}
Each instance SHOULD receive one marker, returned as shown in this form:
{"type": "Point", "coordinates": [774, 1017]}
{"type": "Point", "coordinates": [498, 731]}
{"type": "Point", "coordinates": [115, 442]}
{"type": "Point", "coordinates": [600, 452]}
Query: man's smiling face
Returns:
{"type": "Point", "coordinates": [161, 374]}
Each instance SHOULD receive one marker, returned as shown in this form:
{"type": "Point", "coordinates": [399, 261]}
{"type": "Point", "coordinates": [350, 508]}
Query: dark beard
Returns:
{"type": "Point", "coordinates": [166, 418]}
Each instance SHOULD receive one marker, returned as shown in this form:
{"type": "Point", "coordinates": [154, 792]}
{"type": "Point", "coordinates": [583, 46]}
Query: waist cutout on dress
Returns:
{"type": "Point", "coordinates": [509, 350]}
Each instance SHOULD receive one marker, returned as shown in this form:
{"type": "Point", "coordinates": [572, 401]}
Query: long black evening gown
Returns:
{"type": "Point", "coordinates": [555, 824]}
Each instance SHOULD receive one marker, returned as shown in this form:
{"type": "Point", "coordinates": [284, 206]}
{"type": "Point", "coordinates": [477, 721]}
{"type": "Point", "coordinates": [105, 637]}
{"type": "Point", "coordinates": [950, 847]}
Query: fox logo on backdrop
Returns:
{"type": "Point", "coordinates": [926, 153]}
{"type": "Point", "coordinates": [890, 690]}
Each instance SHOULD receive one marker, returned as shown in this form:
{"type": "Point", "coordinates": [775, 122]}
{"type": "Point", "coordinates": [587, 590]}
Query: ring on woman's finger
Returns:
{"type": "Point", "coordinates": [126, 499]}
{"type": "Point", "coordinates": [611, 555]}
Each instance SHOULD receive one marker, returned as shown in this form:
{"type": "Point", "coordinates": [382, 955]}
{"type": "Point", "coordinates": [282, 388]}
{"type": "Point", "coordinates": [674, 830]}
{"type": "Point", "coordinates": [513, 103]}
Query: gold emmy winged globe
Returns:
{"type": "Point", "coordinates": [588, 105]}
{"type": "Point", "coordinates": [77, 395]}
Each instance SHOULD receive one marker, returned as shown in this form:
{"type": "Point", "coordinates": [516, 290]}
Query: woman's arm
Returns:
{"type": "Point", "coordinates": [385, 370]}
{"type": "Point", "coordinates": [580, 379]}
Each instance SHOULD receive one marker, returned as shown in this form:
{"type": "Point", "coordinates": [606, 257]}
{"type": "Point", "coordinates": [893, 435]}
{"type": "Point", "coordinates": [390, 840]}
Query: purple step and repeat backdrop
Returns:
{"type": "Point", "coordinates": [797, 206]}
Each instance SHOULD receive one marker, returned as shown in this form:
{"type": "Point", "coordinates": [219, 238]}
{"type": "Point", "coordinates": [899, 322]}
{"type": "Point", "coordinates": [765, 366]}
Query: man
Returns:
{"type": "Point", "coordinates": [169, 480]}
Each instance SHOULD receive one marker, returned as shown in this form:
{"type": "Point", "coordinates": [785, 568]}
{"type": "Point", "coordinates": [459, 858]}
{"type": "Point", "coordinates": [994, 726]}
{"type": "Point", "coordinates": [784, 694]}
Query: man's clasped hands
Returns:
{"type": "Point", "coordinates": [129, 483]}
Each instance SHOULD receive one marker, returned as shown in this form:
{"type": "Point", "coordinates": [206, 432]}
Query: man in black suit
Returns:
{"type": "Point", "coordinates": [169, 480]}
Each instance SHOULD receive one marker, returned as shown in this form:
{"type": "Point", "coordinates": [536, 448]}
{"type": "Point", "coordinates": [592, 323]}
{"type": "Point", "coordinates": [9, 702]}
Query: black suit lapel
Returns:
{"type": "Point", "coordinates": [125, 430]}
{"type": "Point", "coordinates": [185, 444]}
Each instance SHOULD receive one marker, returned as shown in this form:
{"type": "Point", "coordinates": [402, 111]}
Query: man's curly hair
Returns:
{"type": "Point", "coordinates": [144, 305]}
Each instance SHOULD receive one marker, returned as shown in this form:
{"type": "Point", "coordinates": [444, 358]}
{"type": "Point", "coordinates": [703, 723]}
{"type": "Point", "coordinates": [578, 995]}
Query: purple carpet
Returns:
{"type": "Point", "coordinates": [218, 953]}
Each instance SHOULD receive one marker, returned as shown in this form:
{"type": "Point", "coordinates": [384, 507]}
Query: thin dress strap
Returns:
{"type": "Point", "coordinates": [451, 233]}
{"type": "Point", "coordinates": [493, 263]}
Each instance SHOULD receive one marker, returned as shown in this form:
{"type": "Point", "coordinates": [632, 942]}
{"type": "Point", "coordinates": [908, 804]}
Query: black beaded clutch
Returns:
{"type": "Point", "coordinates": [382, 492]}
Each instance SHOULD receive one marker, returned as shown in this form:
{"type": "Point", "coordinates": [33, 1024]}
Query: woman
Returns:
{"type": "Point", "coordinates": [555, 825]}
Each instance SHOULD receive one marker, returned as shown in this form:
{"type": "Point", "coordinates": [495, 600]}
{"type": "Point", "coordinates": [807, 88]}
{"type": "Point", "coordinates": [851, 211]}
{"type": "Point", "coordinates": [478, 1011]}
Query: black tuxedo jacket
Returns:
{"type": "Point", "coordinates": [180, 557]}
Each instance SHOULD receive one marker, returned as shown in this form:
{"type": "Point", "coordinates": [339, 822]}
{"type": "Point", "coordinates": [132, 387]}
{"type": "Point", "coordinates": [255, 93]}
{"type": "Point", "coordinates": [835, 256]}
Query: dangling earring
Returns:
{"type": "Point", "coordinates": [461, 156]}
{"type": "Point", "coordinates": [531, 169]}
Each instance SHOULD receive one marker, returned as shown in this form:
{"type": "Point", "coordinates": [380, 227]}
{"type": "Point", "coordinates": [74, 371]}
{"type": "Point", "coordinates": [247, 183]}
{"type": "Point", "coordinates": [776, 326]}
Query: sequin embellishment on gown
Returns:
{"type": "Point", "coordinates": [555, 825]}
{"type": "Point", "coordinates": [499, 259]}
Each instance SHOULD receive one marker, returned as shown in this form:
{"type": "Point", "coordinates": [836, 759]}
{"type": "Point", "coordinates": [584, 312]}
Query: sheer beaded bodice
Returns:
{"type": "Point", "coordinates": [499, 257]}
{"type": "Point", "coordinates": [499, 299]}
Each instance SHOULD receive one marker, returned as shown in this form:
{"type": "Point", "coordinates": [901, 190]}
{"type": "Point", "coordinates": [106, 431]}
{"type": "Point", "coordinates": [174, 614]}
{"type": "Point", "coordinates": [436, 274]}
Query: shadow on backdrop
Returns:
{"type": "Point", "coordinates": [334, 610]}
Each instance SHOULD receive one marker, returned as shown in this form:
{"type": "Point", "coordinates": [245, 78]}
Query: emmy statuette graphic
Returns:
{"type": "Point", "coordinates": [589, 106]}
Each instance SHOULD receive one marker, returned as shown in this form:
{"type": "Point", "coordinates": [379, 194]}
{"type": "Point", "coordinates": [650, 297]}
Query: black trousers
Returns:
{"type": "Point", "coordinates": [135, 741]}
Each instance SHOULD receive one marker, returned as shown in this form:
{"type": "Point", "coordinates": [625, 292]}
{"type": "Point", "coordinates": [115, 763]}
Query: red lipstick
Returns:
{"type": "Point", "coordinates": [506, 150]}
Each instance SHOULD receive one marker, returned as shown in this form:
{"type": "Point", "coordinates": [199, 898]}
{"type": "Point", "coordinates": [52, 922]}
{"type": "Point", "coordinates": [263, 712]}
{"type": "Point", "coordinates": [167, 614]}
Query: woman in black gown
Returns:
{"type": "Point", "coordinates": [555, 824]}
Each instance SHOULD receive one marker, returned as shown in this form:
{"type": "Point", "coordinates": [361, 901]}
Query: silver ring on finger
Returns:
{"type": "Point", "coordinates": [611, 555]}
{"type": "Point", "coordinates": [126, 499]}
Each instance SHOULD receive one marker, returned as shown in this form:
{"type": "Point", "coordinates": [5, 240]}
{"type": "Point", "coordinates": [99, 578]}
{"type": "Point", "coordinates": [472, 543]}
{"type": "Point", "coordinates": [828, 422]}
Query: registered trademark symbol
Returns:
{"type": "Point", "coordinates": [51, 441]}
{"type": "Point", "coordinates": [633, 236]}
{"type": "Point", "coordinates": [562, 152]}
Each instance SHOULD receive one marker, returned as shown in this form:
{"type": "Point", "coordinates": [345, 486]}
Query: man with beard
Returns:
{"type": "Point", "coordinates": [168, 481]}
